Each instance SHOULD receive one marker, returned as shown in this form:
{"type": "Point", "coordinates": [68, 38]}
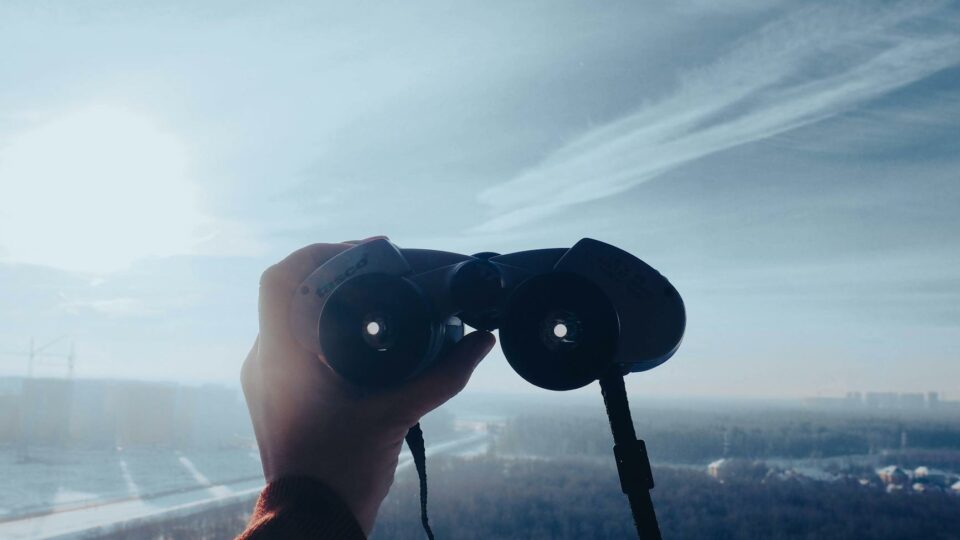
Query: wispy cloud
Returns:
{"type": "Point", "coordinates": [803, 68]}
{"type": "Point", "coordinates": [123, 307]}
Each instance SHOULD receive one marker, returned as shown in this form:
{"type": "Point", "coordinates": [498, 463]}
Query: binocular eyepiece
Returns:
{"type": "Point", "coordinates": [379, 314]}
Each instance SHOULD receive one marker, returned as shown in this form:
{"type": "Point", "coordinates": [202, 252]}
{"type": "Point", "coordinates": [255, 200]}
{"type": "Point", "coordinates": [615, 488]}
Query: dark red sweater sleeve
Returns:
{"type": "Point", "coordinates": [300, 508]}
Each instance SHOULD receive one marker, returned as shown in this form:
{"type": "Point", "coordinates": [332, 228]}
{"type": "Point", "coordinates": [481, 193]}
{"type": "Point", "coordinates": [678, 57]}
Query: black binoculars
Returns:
{"type": "Point", "coordinates": [380, 314]}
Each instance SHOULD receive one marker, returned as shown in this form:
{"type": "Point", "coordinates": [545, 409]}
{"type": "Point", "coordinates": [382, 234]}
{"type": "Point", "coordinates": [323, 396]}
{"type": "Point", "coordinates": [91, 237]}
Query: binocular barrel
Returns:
{"type": "Point", "coordinates": [379, 314]}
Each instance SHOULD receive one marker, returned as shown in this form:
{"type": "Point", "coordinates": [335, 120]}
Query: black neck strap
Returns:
{"type": "Point", "coordinates": [633, 463]}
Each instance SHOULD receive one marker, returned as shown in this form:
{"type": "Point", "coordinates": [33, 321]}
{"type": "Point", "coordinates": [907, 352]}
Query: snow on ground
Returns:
{"type": "Point", "coordinates": [54, 478]}
{"type": "Point", "coordinates": [67, 493]}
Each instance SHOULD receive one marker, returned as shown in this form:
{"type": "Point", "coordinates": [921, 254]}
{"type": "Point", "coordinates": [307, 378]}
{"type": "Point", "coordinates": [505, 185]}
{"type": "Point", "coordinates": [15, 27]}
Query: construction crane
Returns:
{"type": "Point", "coordinates": [35, 354]}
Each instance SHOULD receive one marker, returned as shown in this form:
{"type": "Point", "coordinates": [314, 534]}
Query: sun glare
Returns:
{"type": "Point", "coordinates": [94, 191]}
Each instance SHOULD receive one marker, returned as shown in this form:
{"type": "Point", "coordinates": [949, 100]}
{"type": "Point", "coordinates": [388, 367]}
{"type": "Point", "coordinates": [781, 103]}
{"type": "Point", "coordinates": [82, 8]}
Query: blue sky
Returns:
{"type": "Point", "coordinates": [791, 166]}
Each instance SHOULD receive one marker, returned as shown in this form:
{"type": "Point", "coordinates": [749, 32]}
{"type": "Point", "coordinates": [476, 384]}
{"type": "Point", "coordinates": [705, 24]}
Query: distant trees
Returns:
{"type": "Point", "coordinates": [495, 498]}
{"type": "Point", "coordinates": [561, 499]}
{"type": "Point", "coordinates": [674, 437]}
{"type": "Point", "coordinates": [551, 476]}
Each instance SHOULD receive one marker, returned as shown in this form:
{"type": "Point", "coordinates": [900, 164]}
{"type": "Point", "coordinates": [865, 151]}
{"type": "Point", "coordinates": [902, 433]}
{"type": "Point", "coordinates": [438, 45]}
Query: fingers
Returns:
{"type": "Point", "coordinates": [280, 281]}
{"type": "Point", "coordinates": [441, 382]}
{"type": "Point", "coordinates": [293, 269]}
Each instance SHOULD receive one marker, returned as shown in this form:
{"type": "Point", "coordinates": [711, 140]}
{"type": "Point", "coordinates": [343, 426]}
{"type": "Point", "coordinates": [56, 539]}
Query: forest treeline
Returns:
{"type": "Point", "coordinates": [495, 498]}
{"type": "Point", "coordinates": [696, 438]}
{"type": "Point", "coordinates": [551, 476]}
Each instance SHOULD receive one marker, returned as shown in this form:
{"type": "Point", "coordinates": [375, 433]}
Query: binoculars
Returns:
{"type": "Point", "coordinates": [380, 314]}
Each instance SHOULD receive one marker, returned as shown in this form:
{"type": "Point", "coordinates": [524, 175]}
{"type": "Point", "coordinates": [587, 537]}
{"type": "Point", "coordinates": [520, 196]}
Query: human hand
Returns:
{"type": "Point", "coordinates": [310, 422]}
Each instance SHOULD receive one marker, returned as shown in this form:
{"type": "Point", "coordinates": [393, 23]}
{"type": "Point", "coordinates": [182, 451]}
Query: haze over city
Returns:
{"type": "Point", "coordinates": [791, 167]}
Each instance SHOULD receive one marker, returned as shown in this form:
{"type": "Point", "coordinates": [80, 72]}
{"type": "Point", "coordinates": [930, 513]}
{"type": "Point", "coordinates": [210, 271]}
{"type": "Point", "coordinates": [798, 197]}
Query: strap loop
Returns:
{"type": "Point", "coordinates": [415, 442]}
{"type": "Point", "coordinates": [633, 464]}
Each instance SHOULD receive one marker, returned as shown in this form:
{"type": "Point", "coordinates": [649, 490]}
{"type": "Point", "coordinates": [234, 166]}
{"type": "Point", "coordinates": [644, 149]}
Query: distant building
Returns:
{"type": "Point", "coordinates": [11, 385]}
{"type": "Point", "coordinates": [44, 411]}
{"type": "Point", "coordinates": [893, 476]}
{"type": "Point", "coordinates": [728, 468]}
{"type": "Point", "coordinates": [882, 400]}
{"type": "Point", "coordinates": [934, 477]}
{"type": "Point", "coordinates": [9, 417]}
{"type": "Point", "coordinates": [715, 469]}
{"type": "Point", "coordinates": [912, 401]}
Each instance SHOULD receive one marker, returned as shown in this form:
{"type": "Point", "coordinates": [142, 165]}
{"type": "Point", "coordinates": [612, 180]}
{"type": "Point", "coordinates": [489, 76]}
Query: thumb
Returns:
{"type": "Point", "coordinates": [443, 380]}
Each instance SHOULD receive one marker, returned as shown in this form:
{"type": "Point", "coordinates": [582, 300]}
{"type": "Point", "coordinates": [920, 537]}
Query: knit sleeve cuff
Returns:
{"type": "Point", "coordinates": [301, 507]}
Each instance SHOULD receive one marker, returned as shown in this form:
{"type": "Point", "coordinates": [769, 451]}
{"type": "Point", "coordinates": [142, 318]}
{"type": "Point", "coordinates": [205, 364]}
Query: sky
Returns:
{"type": "Point", "coordinates": [791, 167]}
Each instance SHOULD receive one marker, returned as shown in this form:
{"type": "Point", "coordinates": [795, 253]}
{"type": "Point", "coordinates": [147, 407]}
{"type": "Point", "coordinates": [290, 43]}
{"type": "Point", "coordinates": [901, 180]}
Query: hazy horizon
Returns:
{"type": "Point", "coordinates": [792, 167]}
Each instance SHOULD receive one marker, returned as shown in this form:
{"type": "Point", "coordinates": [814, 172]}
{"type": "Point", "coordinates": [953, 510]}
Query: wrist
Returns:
{"type": "Point", "coordinates": [360, 479]}
{"type": "Point", "coordinates": [307, 508]}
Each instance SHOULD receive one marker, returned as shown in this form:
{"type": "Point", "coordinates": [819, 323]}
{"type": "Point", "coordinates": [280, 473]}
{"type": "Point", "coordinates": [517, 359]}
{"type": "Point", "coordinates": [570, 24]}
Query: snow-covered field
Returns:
{"type": "Point", "coordinates": [57, 479]}
{"type": "Point", "coordinates": [71, 493]}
